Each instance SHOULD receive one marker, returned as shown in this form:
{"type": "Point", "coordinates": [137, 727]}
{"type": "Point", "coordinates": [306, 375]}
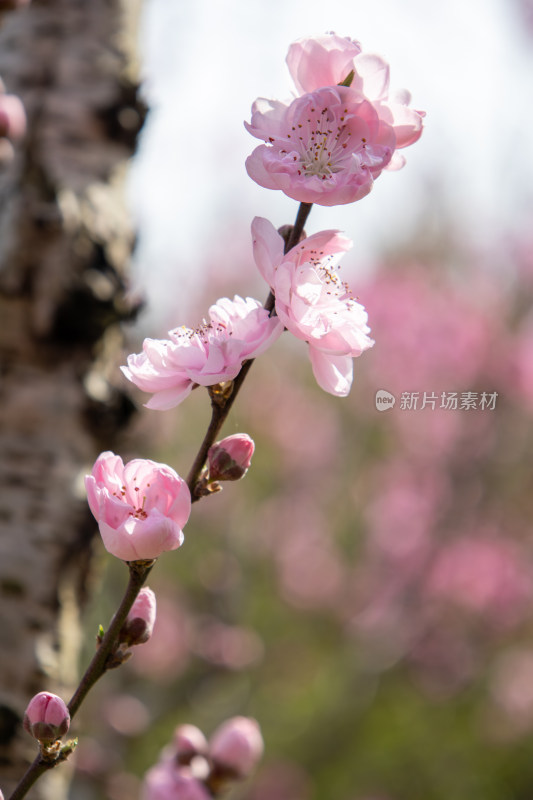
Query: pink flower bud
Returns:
{"type": "Point", "coordinates": [46, 718]}
{"type": "Point", "coordinates": [141, 619]}
{"type": "Point", "coordinates": [237, 746]}
{"type": "Point", "coordinates": [165, 781]}
{"type": "Point", "coordinates": [12, 116]}
{"type": "Point", "coordinates": [189, 742]}
{"type": "Point", "coordinates": [229, 459]}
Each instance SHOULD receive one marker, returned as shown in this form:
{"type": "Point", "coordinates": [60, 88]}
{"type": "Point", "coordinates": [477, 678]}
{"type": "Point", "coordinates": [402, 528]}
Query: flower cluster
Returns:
{"type": "Point", "coordinates": [326, 146]}
{"type": "Point", "coordinates": [329, 144]}
{"type": "Point", "coordinates": [196, 769]}
{"type": "Point", "coordinates": [313, 303]}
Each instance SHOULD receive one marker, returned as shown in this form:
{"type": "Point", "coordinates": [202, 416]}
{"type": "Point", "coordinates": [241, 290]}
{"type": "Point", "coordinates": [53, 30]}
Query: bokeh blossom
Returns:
{"type": "Point", "coordinates": [329, 144]}
{"type": "Point", "coordinates": [167, 781]}
{"type": "Point", "coordinates": [237, 745]}
{"type": "Point", "coordinates": [214, 352]}
{"type": "Point", "coordinates": [189, 741]}
{"type": "Point", "coordinates": [192, 769]}
{"type": "Point", "coordinates": [313, 303]}
{"type": "Point", "coordinates": [12, 116]}
{"type": "Point", "coordinates": [140, 507]}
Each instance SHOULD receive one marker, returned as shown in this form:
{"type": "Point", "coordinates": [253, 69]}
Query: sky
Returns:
{"type": "Point", "coordinates": [467, 63]}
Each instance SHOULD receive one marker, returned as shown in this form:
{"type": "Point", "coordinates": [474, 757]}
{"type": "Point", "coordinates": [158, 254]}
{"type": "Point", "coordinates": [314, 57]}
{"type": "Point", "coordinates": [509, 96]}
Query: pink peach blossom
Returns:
{"type": "Point", "coordinates": [170, 368]}
{"type": "Point", "coordinates": [312, 303]}
{"type": "Point", "coordinates": [140, 508]}
{"type": "Point", "coordinates": [326, 147]}
{"type": "Point", "coordinates": [324, 60]}
{"type": "Point", "coordinates": [327, 60]}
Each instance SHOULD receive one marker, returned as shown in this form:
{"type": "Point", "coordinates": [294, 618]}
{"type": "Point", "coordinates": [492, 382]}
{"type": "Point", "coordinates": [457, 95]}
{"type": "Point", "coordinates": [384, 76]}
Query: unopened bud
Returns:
{"type": "Point", "coordinates": [189, 742]}
{"type": "Point", "coordinates": [46, 718]}
{"type": "Point", "coordinates": [166, 782]}
{"type": "Point", "coordinates": [12, 116]}
{"type": "Point", "coordinates": [229, 459]}
{"type": "Point", "coordinates": [236, 746]}
{"type": "Point", "coordinates": [141, 619]}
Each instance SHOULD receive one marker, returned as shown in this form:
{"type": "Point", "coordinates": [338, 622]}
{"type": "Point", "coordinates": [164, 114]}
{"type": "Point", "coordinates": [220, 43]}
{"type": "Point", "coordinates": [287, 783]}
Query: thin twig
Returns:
{"type": "Point", "coordinates": [138, 574]}
{"type": "Point", "coordinates": [98, 666]}
{"type": "Point", "coordinates": [33, 772]}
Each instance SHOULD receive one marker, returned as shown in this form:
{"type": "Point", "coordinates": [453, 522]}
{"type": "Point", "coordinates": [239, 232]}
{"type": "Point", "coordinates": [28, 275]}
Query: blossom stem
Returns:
{"type": "Point", "coordinates": [218, 417]}
{"type": "Point", "coordinates": [219, 412]}
{"type": "Point", "coordinates": [138, 573]}
{"type": "Point", "coordinates": [298, 227]}
{"type": "Point", "coordinates": [34, 771]}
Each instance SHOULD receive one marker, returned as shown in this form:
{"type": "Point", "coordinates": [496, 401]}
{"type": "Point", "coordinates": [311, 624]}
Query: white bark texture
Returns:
{"type": "Point", "coordinates": [64, 245]}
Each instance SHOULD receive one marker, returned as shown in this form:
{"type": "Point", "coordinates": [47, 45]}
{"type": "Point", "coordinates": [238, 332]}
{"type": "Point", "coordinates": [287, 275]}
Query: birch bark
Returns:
{"type": "Point", "coordinates": [64, 246]}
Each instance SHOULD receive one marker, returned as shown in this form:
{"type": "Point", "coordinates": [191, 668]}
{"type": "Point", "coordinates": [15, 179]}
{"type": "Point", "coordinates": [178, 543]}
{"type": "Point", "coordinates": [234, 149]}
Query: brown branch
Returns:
{"type": "Point", "coordinates": [219, 409]}
{"type": "Point", "coordinates": [99, 665]}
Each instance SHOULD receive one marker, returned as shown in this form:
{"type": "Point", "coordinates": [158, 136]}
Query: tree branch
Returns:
{"type": "Point", "coordinates": [220, 409]}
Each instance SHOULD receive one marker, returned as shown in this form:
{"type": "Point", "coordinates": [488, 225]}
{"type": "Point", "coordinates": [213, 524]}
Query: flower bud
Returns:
{"type": "Point", "coordinates": [140, 621]}
{"type": "Point", "coordinates": [12, 116]}
{"type": "Point", "coordinates": [189, 742]}
{"type": "Point", "coordinates": [166, 782]}
{"type": "Point", "coordinates": [229, 459]}
{"type": "Point", "coordinates": [236, 746]}
{"type": "Point", "coordinates": [46, 718]}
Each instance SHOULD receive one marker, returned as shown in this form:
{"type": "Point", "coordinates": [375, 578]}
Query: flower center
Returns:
{"type": "Point", "coordinates": [323, 143]}
{"type": "Point", "coordinates": [207, 332]}
{"type": "Point", "coordinates": [335, 290]}
{"type": "Point", "coordinates": [138, 511]}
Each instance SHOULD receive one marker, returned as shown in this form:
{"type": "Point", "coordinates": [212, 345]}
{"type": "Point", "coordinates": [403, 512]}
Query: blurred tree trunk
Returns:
{"type": "Point", "coordinates": [64, 244]}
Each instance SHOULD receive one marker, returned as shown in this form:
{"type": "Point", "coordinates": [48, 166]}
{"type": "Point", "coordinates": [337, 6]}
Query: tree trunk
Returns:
{"type": "Point", "coordinates": [64, 244]}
